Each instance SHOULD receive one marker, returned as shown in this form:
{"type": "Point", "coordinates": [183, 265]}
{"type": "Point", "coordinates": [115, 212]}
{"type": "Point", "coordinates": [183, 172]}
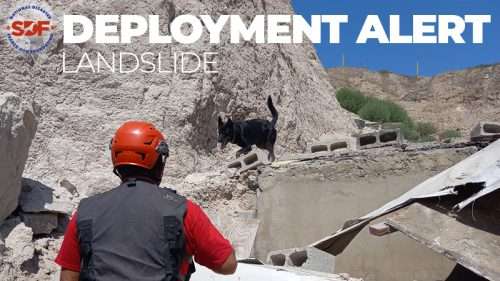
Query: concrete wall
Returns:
{"type": "Point", "coordinates": [303, 202]}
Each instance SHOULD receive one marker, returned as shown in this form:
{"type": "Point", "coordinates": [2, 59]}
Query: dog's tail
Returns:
{"type": "Point", "coordinates": [273, 110]}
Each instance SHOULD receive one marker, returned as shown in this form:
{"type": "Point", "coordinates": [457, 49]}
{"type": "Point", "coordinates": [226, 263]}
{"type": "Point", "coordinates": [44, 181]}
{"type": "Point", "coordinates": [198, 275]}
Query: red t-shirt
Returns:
{"type": "Point", "coordinates": [203, 241]}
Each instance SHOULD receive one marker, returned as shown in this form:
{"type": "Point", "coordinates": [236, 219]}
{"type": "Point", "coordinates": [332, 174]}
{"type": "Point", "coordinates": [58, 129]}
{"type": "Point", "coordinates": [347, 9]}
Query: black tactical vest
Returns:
{"type": "Point", "coordinates": [133, 232]}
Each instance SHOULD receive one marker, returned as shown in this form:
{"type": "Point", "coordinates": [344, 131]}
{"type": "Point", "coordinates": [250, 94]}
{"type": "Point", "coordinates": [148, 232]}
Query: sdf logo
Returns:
{"type": "Point", "coordinates": [30, 28]}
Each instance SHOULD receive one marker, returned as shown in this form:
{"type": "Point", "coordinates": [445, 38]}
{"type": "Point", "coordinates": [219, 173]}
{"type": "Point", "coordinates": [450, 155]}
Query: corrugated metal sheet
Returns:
{"type": "Point", "coordinates": [480, 173]}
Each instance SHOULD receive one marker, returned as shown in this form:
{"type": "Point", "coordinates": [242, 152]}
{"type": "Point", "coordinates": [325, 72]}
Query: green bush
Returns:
{"type": "Point", "coordinates": [375, 110]}
{"type": "Point", "coordinates": [351, 100]}
{"type": "Point", "coordinates": [384, 111]}
{"type": "Point", "coordinates": [425, 129]}
{"type": "Point", "coordinates": [450, 134]}
{"type": "Point", "coordinates": [398, 114]}
{"type": "Point", "coordinates": [409, 132]}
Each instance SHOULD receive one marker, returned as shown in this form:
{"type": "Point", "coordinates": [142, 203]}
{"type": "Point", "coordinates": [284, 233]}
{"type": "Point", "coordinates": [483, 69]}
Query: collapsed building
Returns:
{"type": "Point", "coordinates": [275, 218]}
{"type": "Point", "coordinates": [348, 183]}
{"type": "Point", "coordinates": [269, 211]}
{"type": "Point", "coordinates": [453, 213]}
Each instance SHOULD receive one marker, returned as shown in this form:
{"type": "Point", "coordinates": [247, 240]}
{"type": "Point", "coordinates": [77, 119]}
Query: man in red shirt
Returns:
{"type": "Point", "coordinates": [139, 231]}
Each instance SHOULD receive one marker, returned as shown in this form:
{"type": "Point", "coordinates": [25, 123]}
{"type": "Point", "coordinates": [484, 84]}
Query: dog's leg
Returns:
{"type": "Point", "coordinates": [247, 149]}
{"type": "Point", "coordinates": [271, 140]}
{"type": "Point", "coordinates": [244, 150]}
{"type": "Point", "coordinates": [271, 157]}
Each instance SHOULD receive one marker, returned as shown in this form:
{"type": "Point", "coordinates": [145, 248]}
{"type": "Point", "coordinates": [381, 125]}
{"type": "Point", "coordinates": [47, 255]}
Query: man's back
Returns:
{"type": "Point", "coordinates": [139, 231]}
{"type": "Point", "coordinates": [134, 232]}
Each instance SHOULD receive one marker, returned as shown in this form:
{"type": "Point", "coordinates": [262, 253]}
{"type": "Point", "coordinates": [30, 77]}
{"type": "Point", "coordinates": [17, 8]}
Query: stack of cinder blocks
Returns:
{"type": "Point", "coordinates": [485, 131]}
{"type": "Point", "coordinates": [249, 161]}
{"type": "Point", "coordinates": [379, 139]}
{"type": "Point", "coordinates": [308, 258]}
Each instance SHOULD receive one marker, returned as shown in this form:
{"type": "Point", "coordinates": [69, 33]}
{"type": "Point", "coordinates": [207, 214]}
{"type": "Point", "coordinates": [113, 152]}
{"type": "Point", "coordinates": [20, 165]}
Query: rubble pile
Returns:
{"type": "Point", "coordinates": [78, 113]}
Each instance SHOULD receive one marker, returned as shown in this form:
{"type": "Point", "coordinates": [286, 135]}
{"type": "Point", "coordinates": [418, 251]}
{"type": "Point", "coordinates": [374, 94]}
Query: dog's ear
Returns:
{"type": "Point", "coordinates": [229, 121]}
{"type": "Point", "coordinates": [220, 122]}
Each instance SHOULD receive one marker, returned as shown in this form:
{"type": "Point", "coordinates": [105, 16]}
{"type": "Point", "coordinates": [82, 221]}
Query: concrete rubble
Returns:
{"type": "Point", "coordinates": [18, 241]}
{"type": "Point", "coordinates": [307, 258]}
{"type": "Point", "coordinates": [485, 132]}
{"type": "Point", "coordinates": [249, 161]}
{"type": "Point", "coordinates": [475, 180]}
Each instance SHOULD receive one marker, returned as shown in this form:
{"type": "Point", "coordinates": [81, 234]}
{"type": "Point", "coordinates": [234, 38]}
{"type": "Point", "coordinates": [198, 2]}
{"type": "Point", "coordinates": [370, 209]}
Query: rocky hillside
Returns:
{"type": "Point", "coordinates": [454, 100]}
{"type": "Point", "coordinates": [81, 111]}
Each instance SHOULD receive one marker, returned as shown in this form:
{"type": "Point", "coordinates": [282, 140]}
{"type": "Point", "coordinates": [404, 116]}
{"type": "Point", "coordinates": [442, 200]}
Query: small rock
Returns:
{"type": "Point", "coordinates": [42, 244]}
{"type": "Point", "coordinates": [18, 239]}
{"type": "Point", "coordinates": [69, 186]}
{"type": "Point", "coordinates": [42, 223]}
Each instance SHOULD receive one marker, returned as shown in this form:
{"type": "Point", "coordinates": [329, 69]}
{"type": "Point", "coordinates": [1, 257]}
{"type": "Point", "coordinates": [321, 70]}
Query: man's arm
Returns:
{"type": "Point", "coordinates": [206, 243]}
{"type": "Point", "coordinates": [69, 254]}
{"type": "Point", "coordinates": [68, 275]}
{"type": "Point", "coordinates": [229, 266]}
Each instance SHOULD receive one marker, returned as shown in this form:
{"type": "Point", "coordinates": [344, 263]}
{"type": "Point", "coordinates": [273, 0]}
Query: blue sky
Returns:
{"type": "Point", "coordinates": [402, 58]}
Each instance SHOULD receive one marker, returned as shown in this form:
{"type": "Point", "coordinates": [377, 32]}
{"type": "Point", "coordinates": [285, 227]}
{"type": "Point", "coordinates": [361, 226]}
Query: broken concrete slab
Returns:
{"type": "Point", "coordinates": [466, 241]}
{"type": "Point", "coordinates": [308, 258]}
{"type": "Point", "coordinates": [485, 132]}
{"type": "Point", "coordinates": [249, 161]}
{"type": "Point", "coordinates": [255, 272]}
{"type": "Point", "coordinates": [40, 223]}
{"type": "Point", "coordinates": [37, 197]}
{"type": "Point", "coordinates": [18, 122]}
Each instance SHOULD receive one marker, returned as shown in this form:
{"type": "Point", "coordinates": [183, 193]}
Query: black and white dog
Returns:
{"type": "Point", "coordinates": [259, 132]}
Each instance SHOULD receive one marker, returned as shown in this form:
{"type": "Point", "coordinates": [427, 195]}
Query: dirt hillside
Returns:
{"type": "Point", "coordinates": [454, 100]}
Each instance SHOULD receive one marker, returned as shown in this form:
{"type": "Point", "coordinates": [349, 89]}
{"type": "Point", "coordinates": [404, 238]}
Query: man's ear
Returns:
{"type": "Point", "coordinates": [221, 123]}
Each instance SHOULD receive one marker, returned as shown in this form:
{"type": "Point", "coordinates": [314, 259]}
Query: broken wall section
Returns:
{"type": "Point", "coordinates": [302, 201]}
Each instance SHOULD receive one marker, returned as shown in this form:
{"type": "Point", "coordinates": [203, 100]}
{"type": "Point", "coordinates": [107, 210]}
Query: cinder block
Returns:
{"type": "Point", "coordinates": [378, 139]}
{"type": "Point", "coordinates": [389, 136]}
{"type": "Point", "coordinates": [308, 258]}
{"type": "Point", "coordinates": [249, 161]}
{"type": "Point", "coordinates": [340, 145]}
{"type": "Point", "coordinates": [485, 131]}
{"type": "Point", "coordinates": [364, 124]}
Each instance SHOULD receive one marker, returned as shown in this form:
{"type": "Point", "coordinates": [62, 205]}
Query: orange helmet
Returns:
{"type": "Point", "coordinates": [137, 143]}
